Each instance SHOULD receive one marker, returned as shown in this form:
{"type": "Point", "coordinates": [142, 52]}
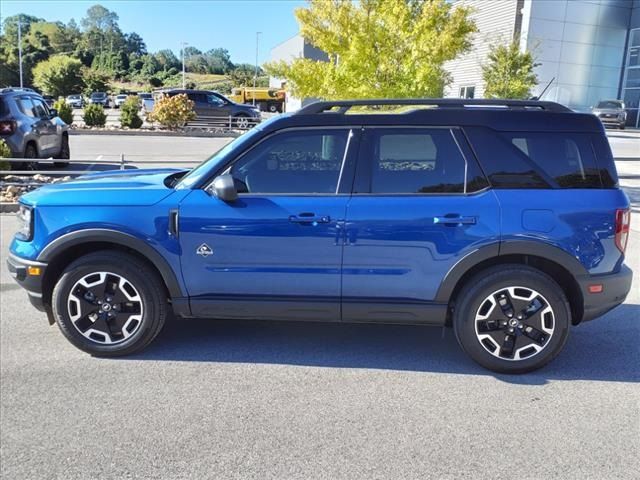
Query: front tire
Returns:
{"type": "Point", "coordinates": [109, 304]}
{"type": "Point", "coordinates": [241, 122]}
{"type": "Point", "coordinates": [512, 319]}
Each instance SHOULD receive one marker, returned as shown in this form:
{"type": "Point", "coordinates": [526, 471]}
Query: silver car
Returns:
{"type": "Point", "coordinates": [611, 112]}
{"type": "Point", "coordinates": [30, 128]}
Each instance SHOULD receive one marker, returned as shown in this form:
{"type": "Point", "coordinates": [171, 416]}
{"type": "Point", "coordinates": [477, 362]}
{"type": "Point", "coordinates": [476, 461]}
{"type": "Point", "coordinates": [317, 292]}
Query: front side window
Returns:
{"type": "Point", "coordinates": [293, 162]}
{"type": "Point", "coordinates": [414, 161]}
{"type": "Point", "coordinates": [40, 107]}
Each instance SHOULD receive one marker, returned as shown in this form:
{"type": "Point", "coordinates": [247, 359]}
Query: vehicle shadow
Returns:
{"type": "Point", "coordinates": [605, 349]}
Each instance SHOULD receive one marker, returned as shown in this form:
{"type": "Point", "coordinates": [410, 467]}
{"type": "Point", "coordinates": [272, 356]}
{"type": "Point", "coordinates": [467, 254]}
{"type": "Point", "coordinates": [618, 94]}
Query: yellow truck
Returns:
{"type": "Point", "coordinates": [267, 99]}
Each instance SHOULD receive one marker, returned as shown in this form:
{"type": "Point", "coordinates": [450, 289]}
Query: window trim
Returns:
{"type": "Point", "coordinates": [347, 168]}
{"type": "Point", "coordinates": [363, 170]}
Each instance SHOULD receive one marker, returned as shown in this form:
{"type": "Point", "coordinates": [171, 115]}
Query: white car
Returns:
{"type": "Point", "coordinates": [119, 100]}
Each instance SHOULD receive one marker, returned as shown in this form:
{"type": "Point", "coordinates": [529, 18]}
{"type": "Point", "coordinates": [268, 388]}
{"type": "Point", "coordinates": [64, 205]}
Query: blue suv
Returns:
{"type": "Point", "coordinates": [502, 219]}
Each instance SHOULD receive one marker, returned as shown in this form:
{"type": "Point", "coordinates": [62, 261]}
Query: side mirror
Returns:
{"type": "Point", "coordinates": [53, 112]}
{"type": "Point", "coordinates": [224, 188]}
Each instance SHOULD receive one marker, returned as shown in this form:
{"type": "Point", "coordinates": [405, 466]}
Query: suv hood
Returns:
{"type": "Point", "coordinates": [117, 188]}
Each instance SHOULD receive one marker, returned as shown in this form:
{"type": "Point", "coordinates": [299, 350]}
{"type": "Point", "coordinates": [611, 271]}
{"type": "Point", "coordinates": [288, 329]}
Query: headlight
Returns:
{"type": "Point", "coordinates": [25, 223]}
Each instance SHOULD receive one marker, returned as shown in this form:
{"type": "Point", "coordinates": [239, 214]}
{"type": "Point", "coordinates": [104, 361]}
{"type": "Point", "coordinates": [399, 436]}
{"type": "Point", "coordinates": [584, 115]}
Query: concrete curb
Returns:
{"type": "Point", "coordinates": [154, 133]}
{"type": "Point", "coordinates": [9, 207]}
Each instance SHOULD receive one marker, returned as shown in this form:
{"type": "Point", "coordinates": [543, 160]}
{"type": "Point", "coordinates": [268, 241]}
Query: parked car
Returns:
{"type": "Point", "coordinates": [502, 219]}
{"type": "Point", "coordinates": [216, 108]}
{"type": "Point", "coordinates": [30, 128]}
{"type": "Point", "coordinates": [75, 101]}
{"type": "Point", "coordinates": [611, 112]}
{"type": "Point", "coordinates": [119, 100]}
{"type": "Point", "coordinates": [49, 100]}
{"type": "Point", "coordinates": [99, 98]}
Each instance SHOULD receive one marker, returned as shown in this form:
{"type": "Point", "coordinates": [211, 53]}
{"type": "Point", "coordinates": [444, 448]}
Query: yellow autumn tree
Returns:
{"type": "Point", "coordinates": [377, 48]}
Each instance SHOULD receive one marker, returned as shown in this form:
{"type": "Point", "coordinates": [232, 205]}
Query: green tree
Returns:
{"type": "Point", "coordinates": [391, 48]}
{"type": "Point", "coordinates": [509, 73]}
{"type": "Point", "coordinates": [94, 80]}
{"type": "Point", "coordinates": [59, 75]}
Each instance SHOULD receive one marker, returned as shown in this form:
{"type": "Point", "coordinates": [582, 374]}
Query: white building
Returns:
{"type": "Point", "coordinates": [290, 49]}
{"type": "Point", "coordinates": [588, 50]}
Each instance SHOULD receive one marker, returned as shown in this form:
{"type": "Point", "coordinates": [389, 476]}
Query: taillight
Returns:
{"type": "Point", "coordinates": [623, 220]}
{"type": "Point", "coordinates": [7, 127]}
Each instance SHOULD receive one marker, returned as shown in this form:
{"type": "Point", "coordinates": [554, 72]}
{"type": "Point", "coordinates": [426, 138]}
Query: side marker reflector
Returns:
{"type": "Point", "coordinates": [596, 288]}
{"type": "Point", "coordinates": [35, 271]}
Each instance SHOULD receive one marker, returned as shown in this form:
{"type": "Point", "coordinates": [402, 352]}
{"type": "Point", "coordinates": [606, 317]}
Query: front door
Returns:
{"type": "Point", "coordinates": [420, 205]}
{"type": "Point", "coordinates": [275, 252]}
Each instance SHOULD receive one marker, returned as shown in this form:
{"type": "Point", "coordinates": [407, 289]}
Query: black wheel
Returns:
{"type": "Point", "coordinates": [30, 151]}
{"type": "Point", "coordinates": [109, 304]}
{"type": "Point", "coordinates": [241, 121]}
{"type": "Point", "coordinates": [512, 319]}
{"type": "Point", "coordinates": [273, 108]}
{"type": "Point", "coordinates": [65, 152]}
{"type": "Point", "coordinates": [622, 126]}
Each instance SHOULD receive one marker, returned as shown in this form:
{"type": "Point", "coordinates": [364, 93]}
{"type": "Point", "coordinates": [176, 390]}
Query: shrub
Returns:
{"type": "Point", "coordinates": [129, 113]}
{"type": "Point", "coordinates": [5, 152]}
{"type": "Point", "coordinates": [173, 111]}
{"type": "Point", "coordinates": [94, 115]}
{"type": "Point", "coordinates": [65, 112]}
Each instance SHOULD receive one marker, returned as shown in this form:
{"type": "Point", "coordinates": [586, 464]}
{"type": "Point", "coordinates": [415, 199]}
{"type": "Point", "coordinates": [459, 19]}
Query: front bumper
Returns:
{"type": "Point", "coordinates": [19, 268]}
{"type": "Point", "coordinates": [615, 287]}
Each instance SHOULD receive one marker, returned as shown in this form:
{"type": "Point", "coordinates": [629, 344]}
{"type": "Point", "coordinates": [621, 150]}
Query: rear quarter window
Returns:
{"type": "Point", "coordinates": [536, 159]}
{"type": "Point", "coordinates": [567, 159]}
{"type": "Point", "coordinates": [3, 107]}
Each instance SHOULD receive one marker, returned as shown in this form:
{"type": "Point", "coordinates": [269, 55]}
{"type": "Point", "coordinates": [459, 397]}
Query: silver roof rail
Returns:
{"type": "Point", "coordinates": [342, 106]}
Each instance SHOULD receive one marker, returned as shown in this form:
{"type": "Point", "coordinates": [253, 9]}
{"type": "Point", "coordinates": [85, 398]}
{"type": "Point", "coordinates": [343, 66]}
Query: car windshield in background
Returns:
{"type": "Point", "coordinates": [98, 95]}
{"type": "Point", "coordinates": [609, 104]}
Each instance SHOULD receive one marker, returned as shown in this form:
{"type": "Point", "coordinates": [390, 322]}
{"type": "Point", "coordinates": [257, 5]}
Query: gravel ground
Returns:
{"type": "Point", "coordinates": [221, 399]}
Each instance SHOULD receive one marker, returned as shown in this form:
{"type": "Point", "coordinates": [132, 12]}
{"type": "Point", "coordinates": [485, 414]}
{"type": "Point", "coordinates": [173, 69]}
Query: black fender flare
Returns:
{"type": "Point", "coordinates": [507, 247]}
{"type": "Point", "coordinates": [78, 237]}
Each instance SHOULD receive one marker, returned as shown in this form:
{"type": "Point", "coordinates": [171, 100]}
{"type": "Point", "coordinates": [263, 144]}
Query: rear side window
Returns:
{"type": "Point", "coordinates": [567, 159]}
{"type": "Point", "coordinates": [26, 106]}
{"type": "Point", "coordinates": [3, 107]}
{"type": "Point", "coordinates": [413, 161]}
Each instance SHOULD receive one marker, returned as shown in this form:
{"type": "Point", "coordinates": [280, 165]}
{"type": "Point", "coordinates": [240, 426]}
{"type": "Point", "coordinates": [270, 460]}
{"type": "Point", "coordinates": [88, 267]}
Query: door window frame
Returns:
{"type": "Point", "coordinates": [363, 173]}
{"type": "Point", "coordinates": [347, 167]}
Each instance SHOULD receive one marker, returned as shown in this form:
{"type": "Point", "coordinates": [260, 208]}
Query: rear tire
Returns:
{"type": "Point", "coordinates": [512, 319]}
{"type": "Point", "coordinates": [65, 153]}
{"type": "Point", "coordinates": [109, 304]}
{"type": "Point", "coordinates": [30, 151]}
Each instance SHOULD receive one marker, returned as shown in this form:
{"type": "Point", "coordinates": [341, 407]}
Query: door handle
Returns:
{"type": "Point", "coordinates": [454, 220]}
{"type": "Point", "coordinates": [309, 218]}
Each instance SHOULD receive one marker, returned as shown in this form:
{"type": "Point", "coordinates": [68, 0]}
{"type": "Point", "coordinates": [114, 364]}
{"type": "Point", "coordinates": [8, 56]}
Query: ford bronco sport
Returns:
{"type": "Point", "coordinates": [501, 219]}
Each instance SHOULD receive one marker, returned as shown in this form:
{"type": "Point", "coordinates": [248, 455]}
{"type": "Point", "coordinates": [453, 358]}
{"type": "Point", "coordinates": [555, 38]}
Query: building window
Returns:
{"type": "Point", "coordinates": [631, 84]}
{"type": "Point", "coordinates": [467, 92]}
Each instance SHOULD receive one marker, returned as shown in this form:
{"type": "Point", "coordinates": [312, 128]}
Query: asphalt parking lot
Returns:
{"type": "Point", "coordinates": [222, 399]}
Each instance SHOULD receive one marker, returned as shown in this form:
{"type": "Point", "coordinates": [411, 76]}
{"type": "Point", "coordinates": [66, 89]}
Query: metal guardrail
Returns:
{"type": "Point", "coordinates": [121, 163]}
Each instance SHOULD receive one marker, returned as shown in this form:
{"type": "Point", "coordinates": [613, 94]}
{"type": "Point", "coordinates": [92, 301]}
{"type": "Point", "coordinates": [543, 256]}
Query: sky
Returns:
{"type": "Point", "coordinates": [204, 24]}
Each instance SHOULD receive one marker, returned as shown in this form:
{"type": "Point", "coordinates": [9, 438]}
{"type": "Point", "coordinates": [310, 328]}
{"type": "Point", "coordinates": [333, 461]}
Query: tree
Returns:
{"type": "Point", "coordinates": [218, 60]}
{"type": "Point", "coordinates": [167, 59]}
{"type": "Point", "coordinates": [94, 80]}
{"type": "Point", "coordinates": [392, 48]}
{"type": "Point", "coordinates": [99, 18]}
{"type": "Point", "coordinates": [59, 75]}
{"type": "Point", "coordinates": [133, 43]}
{"type": "Point", "coordinates": [509, 72]}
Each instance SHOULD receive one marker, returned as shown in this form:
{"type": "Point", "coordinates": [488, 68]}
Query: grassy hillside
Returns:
{"type": "Point", "coordinates": [202, 80]}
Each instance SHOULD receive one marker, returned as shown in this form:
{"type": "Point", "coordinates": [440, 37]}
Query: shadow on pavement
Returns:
{"type": "Point", "coordinates": [605, 349]}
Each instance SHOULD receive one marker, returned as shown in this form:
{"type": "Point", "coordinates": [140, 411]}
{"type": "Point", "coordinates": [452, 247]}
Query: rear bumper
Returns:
{"type": "Point", "coordinates": [19, 270]}
{"type": "Point", "coordinates": [615, 287]}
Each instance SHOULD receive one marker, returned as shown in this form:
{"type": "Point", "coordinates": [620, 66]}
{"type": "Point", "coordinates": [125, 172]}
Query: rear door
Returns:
{"type": "Point", "coordinates": [420, 204]}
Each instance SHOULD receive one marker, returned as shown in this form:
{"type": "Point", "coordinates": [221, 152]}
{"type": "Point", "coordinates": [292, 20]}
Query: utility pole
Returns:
{"type": "Point", "coordinates": [255, 76]}
{"type": "Point", "coordinates": [20, 49]}
{"type": "Point", "coordinates": [182, 45]}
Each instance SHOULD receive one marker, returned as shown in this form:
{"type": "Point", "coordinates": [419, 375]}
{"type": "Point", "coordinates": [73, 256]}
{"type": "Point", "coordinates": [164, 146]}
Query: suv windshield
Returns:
{"type": "Point", "coordinates": [98, 95]}
{"type": "Point", "coordinates": [609, 104]}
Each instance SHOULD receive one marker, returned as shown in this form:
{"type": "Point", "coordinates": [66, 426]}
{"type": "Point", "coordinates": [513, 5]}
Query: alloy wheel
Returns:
{"type": "Point", "coordinates": [105, 308]}
{"type": "Point", "coordinates": [514, 323]}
